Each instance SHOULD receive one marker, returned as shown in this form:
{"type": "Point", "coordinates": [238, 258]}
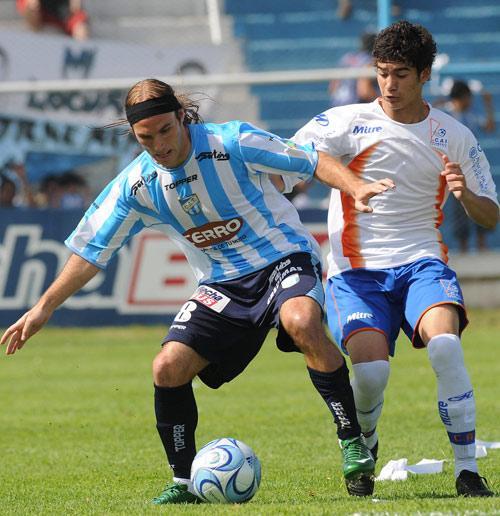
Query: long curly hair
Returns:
{"type": "Point", "coordinates": [153, 88]}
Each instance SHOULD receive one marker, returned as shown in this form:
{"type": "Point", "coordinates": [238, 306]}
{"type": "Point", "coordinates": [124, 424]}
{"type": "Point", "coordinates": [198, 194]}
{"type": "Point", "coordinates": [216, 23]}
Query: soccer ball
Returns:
{"type": "Point", "coordinates": [225, 471]}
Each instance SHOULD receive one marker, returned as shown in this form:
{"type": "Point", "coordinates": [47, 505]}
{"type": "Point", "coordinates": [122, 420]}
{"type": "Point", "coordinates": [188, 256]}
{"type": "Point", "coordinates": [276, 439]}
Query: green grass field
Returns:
{"type": "Point", "coordinates": [77, 429]}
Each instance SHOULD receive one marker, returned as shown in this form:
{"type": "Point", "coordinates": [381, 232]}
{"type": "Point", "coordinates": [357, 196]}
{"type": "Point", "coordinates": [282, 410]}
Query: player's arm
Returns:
{"type": "Point", "coordinates": [75, 274]}
{"type": "Point", "coordinates": [333, 173]}
{"type": "Point", "coordinates": [480, 209]}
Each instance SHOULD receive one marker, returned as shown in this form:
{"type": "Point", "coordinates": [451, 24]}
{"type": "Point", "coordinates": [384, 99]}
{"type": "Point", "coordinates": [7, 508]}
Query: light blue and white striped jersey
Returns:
{"type": "Point", "coordinates": [219, 206]}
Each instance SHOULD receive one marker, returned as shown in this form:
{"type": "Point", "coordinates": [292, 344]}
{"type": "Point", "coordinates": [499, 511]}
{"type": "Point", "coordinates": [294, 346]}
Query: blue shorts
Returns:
{"type": "Point", "coordinates": [386, 300]}
{"type": "Point", "coordinates": [227, 322]}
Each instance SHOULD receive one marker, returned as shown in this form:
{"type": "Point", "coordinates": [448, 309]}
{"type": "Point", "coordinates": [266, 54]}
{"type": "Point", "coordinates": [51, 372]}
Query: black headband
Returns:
{"type": "Point", "coordinates": [151, 107]}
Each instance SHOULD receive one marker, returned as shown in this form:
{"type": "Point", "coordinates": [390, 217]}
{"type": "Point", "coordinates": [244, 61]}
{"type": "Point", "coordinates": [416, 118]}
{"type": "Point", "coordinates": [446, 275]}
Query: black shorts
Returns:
{"type": "Point", "coordinates": [227, 322]}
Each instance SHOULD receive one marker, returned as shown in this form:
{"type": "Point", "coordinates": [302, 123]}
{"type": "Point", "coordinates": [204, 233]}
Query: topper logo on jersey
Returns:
{"type": "Point", "coordinates": [365, 129]}
{"type": "Point", "coordinates": [214, 232]}
{"type": "Point", "coordinates": [217, 155]}
{"type": "Point", "coordinates": [175, 184]}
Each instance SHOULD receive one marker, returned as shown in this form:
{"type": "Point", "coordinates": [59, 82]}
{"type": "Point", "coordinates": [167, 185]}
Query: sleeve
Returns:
{"type": "Point", "coordinates": [327, 132]}
{"type": "Point", "coordinates": [263, 152]}
{"type": "Point", "coordinates": [476, 168]}
{"type": "Point", "coordinates": [106, 226]}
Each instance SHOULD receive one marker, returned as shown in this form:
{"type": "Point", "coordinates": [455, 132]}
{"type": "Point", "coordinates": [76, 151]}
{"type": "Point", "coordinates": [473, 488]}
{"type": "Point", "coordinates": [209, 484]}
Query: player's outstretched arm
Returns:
{"type": "Point", "coordinates": [331, 172]}
{"type": "Point", "coordinates": [75, 274]}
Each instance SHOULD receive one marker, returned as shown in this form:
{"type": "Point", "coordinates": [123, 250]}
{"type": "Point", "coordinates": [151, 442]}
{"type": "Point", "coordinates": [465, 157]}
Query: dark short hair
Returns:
{"type": "Point", "coordinates": [459, 90]}
{"type": "Point", "coordinates": [368, 41]}
{"type": "Point", "coordinates": [405, 42]}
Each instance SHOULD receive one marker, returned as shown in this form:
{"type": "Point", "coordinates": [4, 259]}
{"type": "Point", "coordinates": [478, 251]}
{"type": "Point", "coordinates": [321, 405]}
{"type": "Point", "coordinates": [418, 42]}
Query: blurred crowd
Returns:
{"type": "Point", "coordinates": [67, 16]}
{"type": "Point", "coordinates": [67, 191]}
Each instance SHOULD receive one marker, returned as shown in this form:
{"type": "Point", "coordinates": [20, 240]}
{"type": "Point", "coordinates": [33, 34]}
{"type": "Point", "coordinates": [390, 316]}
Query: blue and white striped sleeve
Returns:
{"type": "Point", "coordinates": [106, 226]}
{"type": "Point", "coordinates": [265, 152]}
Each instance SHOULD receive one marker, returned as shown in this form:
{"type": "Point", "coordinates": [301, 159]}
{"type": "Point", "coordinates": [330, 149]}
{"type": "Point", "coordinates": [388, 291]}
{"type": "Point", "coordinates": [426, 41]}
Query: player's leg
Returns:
{"type": "Point", "coordinates": [210, 337]}
{"type": "Point", "coordinates": [369, 354]}
{"type": "Point", "coordinates": [439, 329]}
{"type": "Point", "coordinates": [365, 326]}
{"type": "Point", "coordinates": [177, 415]}
{"type": "Point", "coordinates": [301, 320]}
{"type": "Point", "coordinates": [436, 315]}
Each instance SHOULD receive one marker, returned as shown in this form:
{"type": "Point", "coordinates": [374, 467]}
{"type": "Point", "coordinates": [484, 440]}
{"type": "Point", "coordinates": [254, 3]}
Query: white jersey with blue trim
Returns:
{"type": "Point", "coordinates": [219, 206]}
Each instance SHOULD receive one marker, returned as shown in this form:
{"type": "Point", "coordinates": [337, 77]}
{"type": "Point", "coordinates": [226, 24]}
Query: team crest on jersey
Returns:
{"type": "Point", "coordinates": [438, 138]}
{"type": "Point", "coordinates": [191, 204]}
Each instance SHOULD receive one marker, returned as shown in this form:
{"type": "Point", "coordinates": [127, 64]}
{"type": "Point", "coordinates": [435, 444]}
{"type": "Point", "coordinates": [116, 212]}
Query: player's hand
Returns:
{"type": "Point", "coordinates": [25, 327]}
{"type": "Point", "coordinates": [368, 190]}
{"type": "Point", "coordinates": [455, 179]}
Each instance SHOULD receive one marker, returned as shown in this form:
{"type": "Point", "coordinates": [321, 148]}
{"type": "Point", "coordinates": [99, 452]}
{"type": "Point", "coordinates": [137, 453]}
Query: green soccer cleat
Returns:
{"type": "Point", "coordinates": [359, 467]}
{"type": "Point", "coordinates": [175, 493]}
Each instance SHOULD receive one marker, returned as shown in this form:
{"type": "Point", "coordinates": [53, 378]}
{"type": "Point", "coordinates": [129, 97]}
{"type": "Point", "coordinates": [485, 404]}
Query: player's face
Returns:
{"type": "Point", "coordinates": [165, 137]}
{"type": "Point", "coordinates": [401, 89]}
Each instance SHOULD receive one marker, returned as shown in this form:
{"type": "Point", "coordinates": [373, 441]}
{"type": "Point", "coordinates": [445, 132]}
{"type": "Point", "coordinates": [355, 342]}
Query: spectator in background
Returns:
{"type": "Point", "coordinates": [354, 91]}
{"type": "Point", "coordinates": [10, 196]}
{"type": "Point", "coordinates": [49, 195]}
{"type": "Point", "coordinates": [7, 192]}
{"type": "Point", "coordinates": [344, 9]}
{"type": "Point", "coordinates": [74, 193]}
{"type": "Point", "coordinates": [67, 15]}
{"type": "Point", "coordinates": [460, 106]}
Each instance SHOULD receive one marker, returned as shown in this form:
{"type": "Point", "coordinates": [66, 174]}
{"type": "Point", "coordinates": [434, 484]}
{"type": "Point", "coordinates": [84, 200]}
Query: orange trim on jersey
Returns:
{"type": "Point", "coordinates": [416, 340]}
{"type": "Point", "coordinates": [440, 216]}
{"type": "Point", "coordinates": [351, 246]}
{"type": "Point", "coordinates": [433, 127]}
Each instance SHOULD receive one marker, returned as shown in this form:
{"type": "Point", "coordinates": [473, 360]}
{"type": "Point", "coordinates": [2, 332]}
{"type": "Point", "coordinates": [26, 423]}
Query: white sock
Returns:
{"type": "Point", "coordinates": [368, 384]}
{"type": "Point", "coordinates": [456, 404]}
{"type": "Point", "coordinates": [185, 481]}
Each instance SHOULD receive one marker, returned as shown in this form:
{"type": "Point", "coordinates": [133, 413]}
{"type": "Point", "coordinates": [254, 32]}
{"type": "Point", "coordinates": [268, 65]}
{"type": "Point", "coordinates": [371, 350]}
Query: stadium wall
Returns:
{"type": "Point", "coordinates": [149, 280]}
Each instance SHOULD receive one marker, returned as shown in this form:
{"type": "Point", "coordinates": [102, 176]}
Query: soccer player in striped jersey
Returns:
{"type": "Point", "coordinates": [389, 270]}
{"type": "Point", "coordinates": [207, 187]}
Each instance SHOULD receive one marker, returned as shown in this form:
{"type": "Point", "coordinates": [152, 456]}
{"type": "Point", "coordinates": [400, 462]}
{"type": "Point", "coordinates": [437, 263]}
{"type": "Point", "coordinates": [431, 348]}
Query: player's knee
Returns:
{"type": "Point", "coordinates": [371, 377]}
{"type": "Point", "coordinates": [167, 371]}
{"type": "Point", "coordinates": [445, 352]}
{"type": "Point", "coordinates": [302, 321]}
{"type": "Point", "coordinates": [302, 325]}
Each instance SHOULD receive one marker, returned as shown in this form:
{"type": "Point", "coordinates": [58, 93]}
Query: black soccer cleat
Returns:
{"type": "Point", "coordinates": [471, 484]}
{"type": "Point", "coordinates": [362, 485]}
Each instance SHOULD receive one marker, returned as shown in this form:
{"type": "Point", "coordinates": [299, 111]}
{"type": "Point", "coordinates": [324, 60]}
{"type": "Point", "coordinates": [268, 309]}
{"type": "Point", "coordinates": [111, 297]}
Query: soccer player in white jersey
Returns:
{"type": "Point", "coordinates": [389, 271]}
{"type": "Point", "coordinates": [207, 187]}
